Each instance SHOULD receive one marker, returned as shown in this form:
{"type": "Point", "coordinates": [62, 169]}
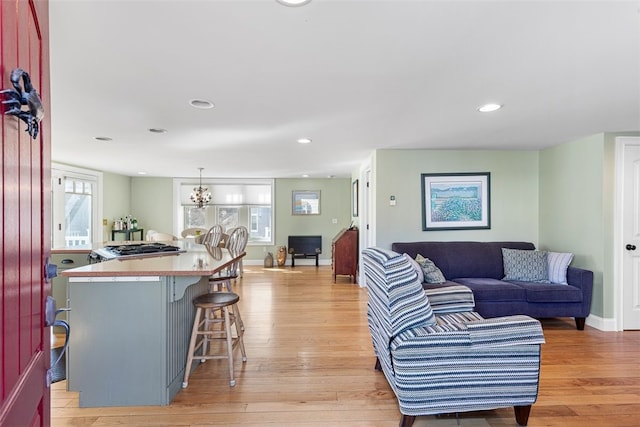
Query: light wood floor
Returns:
{"type": "Point", "coordinates": [311, 364]}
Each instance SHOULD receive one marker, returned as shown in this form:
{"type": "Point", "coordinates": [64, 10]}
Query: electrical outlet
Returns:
{"type": "Point", "coordinates": [334, 220]}
{"type": "Point", "coordinates": [104, 222]}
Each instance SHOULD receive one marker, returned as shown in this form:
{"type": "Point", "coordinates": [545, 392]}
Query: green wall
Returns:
{"type": "Point", "coordinates": [572, 208]}
{"type": "Point", "coordinates": [116, 201]}
{"type": "Point", "coordinates": [152, 204]}
{"type": "Point", "coordinates": [577, 208]}
{"type": "Point", "coordinates": [335, 203]}
{"type": "Point", "coordinates": [514, 193]}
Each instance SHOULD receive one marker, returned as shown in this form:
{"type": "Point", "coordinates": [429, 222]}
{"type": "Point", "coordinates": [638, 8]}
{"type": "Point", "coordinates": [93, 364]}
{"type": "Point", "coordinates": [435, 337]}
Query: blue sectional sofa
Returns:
{"type": "Point", "coordinates": [480, 267]}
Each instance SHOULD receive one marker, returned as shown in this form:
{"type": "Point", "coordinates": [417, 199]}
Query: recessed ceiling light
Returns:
{"type": "Point", "coordinates": [305, 175]}
{"type": "Point", "coordinates": [142, 173]}
{"type": "Point", "coordinates": [304, 140]}
{"type": "Point", "coordinates": [201, 104]}
{"type": "Point", "coordinates": [102, 138]}
{"type": "Point", "coordinates": [157, 130]}
{"type": "Point", "coordinates": [487, 108]}
{"type": "Point", "coordinates": [293, 3]}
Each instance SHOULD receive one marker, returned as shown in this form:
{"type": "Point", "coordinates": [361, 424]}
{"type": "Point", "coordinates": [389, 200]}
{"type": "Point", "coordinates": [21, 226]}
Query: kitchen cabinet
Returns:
{"type": "Point", "coordinates": [65, 259]}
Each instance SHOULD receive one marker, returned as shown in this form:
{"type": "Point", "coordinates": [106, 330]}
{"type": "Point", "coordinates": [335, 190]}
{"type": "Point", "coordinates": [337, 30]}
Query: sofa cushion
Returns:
{"type": "Point", "coordinates": [557, 264]}
{"type": "Point", "coordinates": [525, 265]}
{"type": "Point", "coordinates": [450, 299]}
{"type": "Point", "coordinates": [463, 259]}
{"type": "Point", "coordinates": [431, 272]}
{"type": "Point", "coordinates": [550, 292]}
{"type": "Point", "coordinates": [493, 290]}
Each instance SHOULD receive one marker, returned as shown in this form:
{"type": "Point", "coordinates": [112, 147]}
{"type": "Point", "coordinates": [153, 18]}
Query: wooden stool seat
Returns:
{"type": "Point", "coordinates": [207, 308]}
{"type": "Point", "coordinates": [216, 299]}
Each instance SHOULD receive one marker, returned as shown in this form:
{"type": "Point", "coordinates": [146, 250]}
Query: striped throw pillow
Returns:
{"type": "Point", "coordinates": [557, 264]}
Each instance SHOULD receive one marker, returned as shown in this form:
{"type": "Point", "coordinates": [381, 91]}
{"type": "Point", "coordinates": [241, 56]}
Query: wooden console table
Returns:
{"type": "Point", "coordinates": [304, 247]}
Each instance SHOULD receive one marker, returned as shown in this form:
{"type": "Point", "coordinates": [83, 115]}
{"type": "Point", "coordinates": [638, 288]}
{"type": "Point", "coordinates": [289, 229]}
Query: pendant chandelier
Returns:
{"type": "Point", "coordinates": [200, 195]}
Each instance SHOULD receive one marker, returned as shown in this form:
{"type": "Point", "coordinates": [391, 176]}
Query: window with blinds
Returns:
{"type": "Point", "coordinates": [233, 203]}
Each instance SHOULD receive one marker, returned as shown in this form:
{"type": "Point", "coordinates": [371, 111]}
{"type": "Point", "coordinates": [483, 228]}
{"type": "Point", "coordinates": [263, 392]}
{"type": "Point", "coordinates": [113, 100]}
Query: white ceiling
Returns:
{"type": "Point", "coordinates": [355, 76]}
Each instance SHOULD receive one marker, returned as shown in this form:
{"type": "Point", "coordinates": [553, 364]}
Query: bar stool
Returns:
{"type": "Point", "coordinates": [236, 244]}
{"type": "Point", "coordinates": [207, 307]}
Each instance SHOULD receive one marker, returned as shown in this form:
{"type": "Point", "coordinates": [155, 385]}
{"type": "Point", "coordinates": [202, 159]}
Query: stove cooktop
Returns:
{"type": "Point", "coordinates": [137, 250]}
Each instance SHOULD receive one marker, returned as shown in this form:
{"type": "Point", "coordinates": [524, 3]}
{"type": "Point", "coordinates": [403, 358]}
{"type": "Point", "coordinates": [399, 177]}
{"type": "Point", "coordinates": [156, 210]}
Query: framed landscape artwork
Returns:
{"type": "Point", "coordinates": [456, 201]}
{"type": "Point", "coordinates": [305, 202]}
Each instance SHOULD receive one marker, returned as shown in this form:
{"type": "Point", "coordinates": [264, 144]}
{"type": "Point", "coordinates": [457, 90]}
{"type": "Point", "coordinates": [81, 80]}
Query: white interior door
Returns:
{"type": "Point", "coordinates": [631, 237]}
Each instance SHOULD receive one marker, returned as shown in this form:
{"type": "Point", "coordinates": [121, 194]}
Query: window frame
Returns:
{"type": "Point", "coordinates": [60, 172]}
{"type": "Point", "coordinates": [179, 216]}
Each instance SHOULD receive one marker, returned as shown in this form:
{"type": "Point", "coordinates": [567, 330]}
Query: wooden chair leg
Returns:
{"type": "Point", "coordinates": [407, 420]}
{"type": "Point", "coordinates": [522, 414]}
{"type": "Point", "coordinates": [378, 366]}
{"type": "Point", "coordinates": [240, 332]}
{"type": "Point", "coordinates": [227, 329]}
{"type": "Point", "coordinates": [192, 347]}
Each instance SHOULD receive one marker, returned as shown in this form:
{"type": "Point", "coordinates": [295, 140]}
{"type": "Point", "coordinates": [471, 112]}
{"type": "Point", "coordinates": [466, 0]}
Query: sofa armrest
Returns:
{"type": "Point", "coordinates": [505, 331]}
{"type": "Point", "coordinates": [496, 332]}
{"type": "Point", "coordinates": [582, 279]}
{"type": "Point", "coordinates": [450, 299]}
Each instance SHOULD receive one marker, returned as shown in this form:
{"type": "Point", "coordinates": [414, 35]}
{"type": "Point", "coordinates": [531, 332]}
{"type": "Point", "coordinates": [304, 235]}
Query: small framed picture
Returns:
{"type": "Point", "coordinates": [305, 202]}
{"type": "Point", "coordinates": [456, 201]}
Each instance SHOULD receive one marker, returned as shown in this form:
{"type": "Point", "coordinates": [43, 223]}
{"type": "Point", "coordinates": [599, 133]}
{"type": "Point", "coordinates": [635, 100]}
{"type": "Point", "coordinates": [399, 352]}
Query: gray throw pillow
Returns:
{"type": "Point", "coordinates": [432, 273]}
{"type": "Point", "coordinates": [525, 265]}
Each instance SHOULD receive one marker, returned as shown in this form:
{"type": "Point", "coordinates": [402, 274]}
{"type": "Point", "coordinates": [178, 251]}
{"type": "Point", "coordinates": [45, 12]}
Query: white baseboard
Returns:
{"type": "Point", "coordinates": [601, 323]}
{"type": "Point", "coordinates": [299, 261]}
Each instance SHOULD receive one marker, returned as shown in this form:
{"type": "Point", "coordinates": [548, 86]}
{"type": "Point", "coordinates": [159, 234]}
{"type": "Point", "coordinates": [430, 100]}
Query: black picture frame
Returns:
{"type": "Point", "coordinates": [456, 201]}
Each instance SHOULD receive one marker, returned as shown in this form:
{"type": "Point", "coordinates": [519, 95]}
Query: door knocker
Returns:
{"type": "Point", "coordinates": [18, 96]}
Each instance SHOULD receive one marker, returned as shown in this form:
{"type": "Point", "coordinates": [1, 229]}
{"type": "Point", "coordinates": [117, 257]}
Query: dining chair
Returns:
{"type": "Point", "coordinates": [236, 244]}
{"type": "Point", "coordinates": [213, 236]}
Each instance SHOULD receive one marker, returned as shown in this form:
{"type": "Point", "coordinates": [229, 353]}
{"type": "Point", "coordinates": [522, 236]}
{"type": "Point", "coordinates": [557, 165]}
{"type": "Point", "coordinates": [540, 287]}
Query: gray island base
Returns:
{"type": "Point", "coordinates": [130, 332]}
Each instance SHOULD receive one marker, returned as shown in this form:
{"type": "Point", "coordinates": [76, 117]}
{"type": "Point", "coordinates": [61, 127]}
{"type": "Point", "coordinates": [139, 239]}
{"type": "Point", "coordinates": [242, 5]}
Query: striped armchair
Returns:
{"type": "Point", "coordinates": [446, 358]}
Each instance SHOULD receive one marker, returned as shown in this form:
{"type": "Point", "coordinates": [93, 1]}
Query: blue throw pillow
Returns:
{"type": "Point", "coordinates": [525, 265]}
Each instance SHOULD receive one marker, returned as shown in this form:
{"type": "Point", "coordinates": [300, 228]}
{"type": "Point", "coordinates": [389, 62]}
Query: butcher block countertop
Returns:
{"type": "Point", "coordinates": [196, 261]}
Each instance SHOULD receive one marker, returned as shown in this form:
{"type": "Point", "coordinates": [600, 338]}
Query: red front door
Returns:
{"type": "Point", "coordinates": [25, 205]}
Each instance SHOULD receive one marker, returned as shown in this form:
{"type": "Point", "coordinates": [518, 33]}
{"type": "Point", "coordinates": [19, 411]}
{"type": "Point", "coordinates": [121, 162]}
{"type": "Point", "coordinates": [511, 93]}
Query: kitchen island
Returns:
{"type": "Point", "coordinates": [131, 323]}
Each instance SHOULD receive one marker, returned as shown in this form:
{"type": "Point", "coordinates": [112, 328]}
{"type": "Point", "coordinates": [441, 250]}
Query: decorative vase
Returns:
{"type": "Point", "coordinates": [268, 260]}
{"type": "Point", "coordinates": [282, 255]}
